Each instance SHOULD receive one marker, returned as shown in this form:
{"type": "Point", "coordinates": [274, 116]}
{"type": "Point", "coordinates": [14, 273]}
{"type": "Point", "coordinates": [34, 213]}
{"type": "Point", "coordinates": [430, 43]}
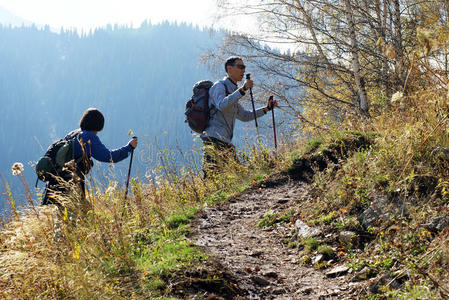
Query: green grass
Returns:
{"type": "Point", "coordinates": [310, 244]}
{"type": "Point", "coordinates": [270, 218]}
{"type": "Point", "coordinates": [326, 250]}
{"type": "Point", "coordinates": [176, 220]}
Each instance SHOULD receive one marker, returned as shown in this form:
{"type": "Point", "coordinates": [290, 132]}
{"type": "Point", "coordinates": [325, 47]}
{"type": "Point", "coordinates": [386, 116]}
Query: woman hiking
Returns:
{"type": "Point", "coordinates": [86, 144]}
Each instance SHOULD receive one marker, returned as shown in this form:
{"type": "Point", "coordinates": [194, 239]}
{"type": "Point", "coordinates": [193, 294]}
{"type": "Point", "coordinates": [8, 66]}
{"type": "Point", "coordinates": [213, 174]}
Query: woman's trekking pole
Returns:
{"type": "Point", "coordinates": [248, 77]}
{"type": "Point", "coordinates": [129, 170]}
{"type": "Point", "coordinates": [274, 126]}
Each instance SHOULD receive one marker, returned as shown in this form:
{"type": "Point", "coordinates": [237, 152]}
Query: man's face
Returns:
{"type": "Point", "coordinates": [237, 71]}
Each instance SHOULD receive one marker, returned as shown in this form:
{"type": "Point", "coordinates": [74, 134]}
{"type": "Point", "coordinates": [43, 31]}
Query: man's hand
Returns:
{"type": "Point", "coordinates": [271, 104]}
{"type": "Point", "coordinates": [248, 84]}
{"type": "Point", "coordinates": [133, 142]}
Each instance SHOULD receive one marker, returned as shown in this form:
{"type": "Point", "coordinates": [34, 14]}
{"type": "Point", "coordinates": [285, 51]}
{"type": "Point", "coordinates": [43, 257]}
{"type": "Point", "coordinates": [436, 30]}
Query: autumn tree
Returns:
{"type": "Point", "coordinates": [347, 57]}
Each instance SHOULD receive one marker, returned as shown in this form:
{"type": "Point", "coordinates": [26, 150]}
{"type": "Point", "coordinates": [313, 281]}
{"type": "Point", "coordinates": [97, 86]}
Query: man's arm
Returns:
{"type": "Point", "coordinates": [219, 98]}
{"type": "Point", "coordinates": [248, 115]}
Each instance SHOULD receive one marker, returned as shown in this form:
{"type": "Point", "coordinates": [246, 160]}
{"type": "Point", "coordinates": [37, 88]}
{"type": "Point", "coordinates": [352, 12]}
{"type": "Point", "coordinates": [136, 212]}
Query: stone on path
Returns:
{"type": "Point", "coordinates": [337, 271]}
{"type": "Point", "coordinates": [305, 231]}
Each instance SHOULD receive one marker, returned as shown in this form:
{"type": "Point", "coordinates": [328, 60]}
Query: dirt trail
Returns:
{"type": "Point", "coordinates": [259, 259]}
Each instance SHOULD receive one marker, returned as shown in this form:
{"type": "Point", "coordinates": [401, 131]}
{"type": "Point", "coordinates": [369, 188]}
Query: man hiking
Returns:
{"type": "Point", "coordinates": [225, 108]}
{"type": "Point", "coordinates": [86, 144]}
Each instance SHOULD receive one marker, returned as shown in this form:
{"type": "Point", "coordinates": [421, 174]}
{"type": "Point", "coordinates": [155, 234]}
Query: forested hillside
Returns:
{"type": "Point", "coordinates": [139, 78]}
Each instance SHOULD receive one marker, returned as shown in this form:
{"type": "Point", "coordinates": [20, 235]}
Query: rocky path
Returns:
{"type": "Point", "coordinates": [259, 259]}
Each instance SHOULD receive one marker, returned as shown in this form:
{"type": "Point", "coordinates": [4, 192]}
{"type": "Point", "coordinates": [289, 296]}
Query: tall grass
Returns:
{"type": "Point", "coordinates": [116, 249]}
{"type": "Point", "coordinates": [404, 166]}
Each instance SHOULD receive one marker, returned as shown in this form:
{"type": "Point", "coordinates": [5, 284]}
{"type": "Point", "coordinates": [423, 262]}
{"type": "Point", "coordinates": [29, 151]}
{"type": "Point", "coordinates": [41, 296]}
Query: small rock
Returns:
{"type": "Point", "coordinates": [271, 274]}
{"type": "Point", "coordinates": [260, 281]}
{"type": "Point", "coordinates": [317, 258]}
{"type": "Point", "coordinates": [382, 208]}
{"type": "Point", "coordinates": [348, 237]}
{"type": "Point", "coordinates": [306, 291]}
{"type": "Point", "coordinates": [256, 254]}
{"type": "Point", "coordinates": [214, 297]}
{"type": "Point", "coordinates": [278, 291]}
{"type": "Point", "coordinates": [364, 274]}
{"type": "Point", "coordinates": [282, 201]}
{"type": "Point", "coordinates": [395, 281]}
{"type": "Point", "coordinates": [305, 231]}
{"type": "Point", "coordinates": [337, 271]}
{"type": "Point", "coordinates": [437, 224]}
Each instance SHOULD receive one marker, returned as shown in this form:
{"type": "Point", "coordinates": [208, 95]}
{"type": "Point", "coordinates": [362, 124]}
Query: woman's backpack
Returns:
{"type": "Point", "coordinates": [56, 156]}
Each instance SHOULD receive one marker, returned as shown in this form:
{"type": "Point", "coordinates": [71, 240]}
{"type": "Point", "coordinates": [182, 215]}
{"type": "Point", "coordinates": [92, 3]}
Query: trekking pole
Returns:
{"type": "Point", "coordinates": [129, 170]}
{"type": "Point", "coordinates": [248, 77]}
{"type": "Point", "coordinates": [274, 125]}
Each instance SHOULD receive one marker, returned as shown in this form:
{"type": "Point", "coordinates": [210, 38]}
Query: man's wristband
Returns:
{"type": "Point", "coordinates": [242, 91]}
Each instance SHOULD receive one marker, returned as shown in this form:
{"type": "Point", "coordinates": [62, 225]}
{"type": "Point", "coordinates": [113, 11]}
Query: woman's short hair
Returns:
{"type": "Point", "coordinates": [92, 120]}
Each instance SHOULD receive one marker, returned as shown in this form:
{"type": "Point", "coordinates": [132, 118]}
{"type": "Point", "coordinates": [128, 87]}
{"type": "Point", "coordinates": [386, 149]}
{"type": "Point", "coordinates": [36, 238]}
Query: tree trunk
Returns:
{"type": "Point", "coordinates": [398, 43]}
{"type": "Point", "coordinates": [363, 99]}
{"type": "Point", "coordinates": [385, 69]}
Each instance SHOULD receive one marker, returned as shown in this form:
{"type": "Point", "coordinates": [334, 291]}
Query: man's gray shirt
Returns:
{"type": "Point", "coordinates": [224, 109]}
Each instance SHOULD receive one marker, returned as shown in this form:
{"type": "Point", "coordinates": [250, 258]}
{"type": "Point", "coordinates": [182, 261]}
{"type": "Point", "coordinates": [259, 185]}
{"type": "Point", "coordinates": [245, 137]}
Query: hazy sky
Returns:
{"type": "Point", "coordinates": [96, 13]}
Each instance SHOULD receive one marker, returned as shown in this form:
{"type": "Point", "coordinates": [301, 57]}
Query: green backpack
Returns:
{"type": "Point", "coordinates": [57, 155]}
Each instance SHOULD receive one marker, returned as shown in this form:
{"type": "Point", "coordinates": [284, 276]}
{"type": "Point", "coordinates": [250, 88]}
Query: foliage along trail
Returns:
{"type": "Point", "coordinates": [259, 258]}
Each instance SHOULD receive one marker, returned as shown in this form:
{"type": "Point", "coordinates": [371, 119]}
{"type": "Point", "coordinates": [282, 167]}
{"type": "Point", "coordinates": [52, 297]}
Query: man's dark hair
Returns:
{"type": "Point", "coordinates": [231, 61]}
{"type": "Point", "coordinates": [92, 120]}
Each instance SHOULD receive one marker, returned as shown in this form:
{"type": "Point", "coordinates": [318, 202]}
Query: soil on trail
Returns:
{"type": "Point", "coordinates": [258, 258]}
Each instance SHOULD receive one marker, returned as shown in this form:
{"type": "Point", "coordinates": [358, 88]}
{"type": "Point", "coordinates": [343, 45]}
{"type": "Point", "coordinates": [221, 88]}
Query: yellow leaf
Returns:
{"type": "Point", "coordinates": [66, 215]}
{"type": "Point", "coordinates": [76, 252]}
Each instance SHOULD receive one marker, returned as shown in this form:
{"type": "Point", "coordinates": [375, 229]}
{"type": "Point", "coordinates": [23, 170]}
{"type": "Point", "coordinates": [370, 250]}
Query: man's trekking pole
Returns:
{"type": "Point", "coordinates": [129, 170]}
{"type": "Point", "coordinates": [274, 125]}
{"type": "Point", "coordinates": [248, 77]}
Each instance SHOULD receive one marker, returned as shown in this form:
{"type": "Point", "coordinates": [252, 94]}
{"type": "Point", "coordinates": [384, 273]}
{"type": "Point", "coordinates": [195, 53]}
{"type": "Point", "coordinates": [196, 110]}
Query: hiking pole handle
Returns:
{"type": "Point", "coordinates": [274, 124]}
{"type": "Point", "coordinates": [129, 170]}
{"type": "Point", "coordinates": [248, 77]}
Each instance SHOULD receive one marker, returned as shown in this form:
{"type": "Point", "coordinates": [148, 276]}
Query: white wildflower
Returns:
{"type": "Point", "coordinates": [396, 97]}
{"type": "Point", "coordinates": [17, 168]}
{"type": "Point", "coordinates": [111, 188]}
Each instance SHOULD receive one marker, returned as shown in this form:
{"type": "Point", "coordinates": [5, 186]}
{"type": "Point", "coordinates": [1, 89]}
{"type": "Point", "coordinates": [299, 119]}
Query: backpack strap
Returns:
{"type": "Point", "coordinates": [227, 124]}
{"type": "Point", "coordinates": [226, 88]}
{"type": "Point", "coordinates": [83, 162]}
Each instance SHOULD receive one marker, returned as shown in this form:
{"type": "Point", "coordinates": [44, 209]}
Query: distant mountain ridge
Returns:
{"type": "Point", "coordinates": [8, 18]}
{"type": "Point", "coordinates": [139, 78]}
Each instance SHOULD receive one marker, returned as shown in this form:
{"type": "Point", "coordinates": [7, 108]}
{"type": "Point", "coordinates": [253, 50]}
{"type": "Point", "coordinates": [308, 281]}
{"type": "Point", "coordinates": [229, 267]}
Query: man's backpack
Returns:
{"type": "Point", "coordinates": [197, 107]}
{"type": "Point", "coordinates": [56, 156]}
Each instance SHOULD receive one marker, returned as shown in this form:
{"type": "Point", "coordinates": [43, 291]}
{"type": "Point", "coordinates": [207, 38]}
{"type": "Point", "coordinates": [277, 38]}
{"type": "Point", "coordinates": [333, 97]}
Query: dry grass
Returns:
{"type": "Point", "coordinates": [403, 166]}
{"type": "Point", "coordinates": [114, 249]}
